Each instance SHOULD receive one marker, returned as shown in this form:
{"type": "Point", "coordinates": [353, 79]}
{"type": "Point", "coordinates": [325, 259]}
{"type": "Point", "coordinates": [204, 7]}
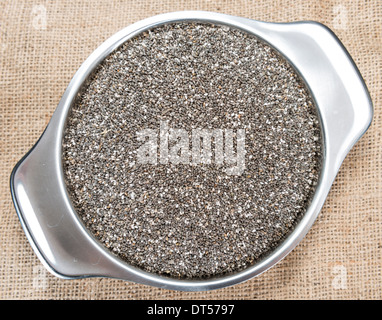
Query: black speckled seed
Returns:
{"type": "Point", "coordinates": [183, 220]}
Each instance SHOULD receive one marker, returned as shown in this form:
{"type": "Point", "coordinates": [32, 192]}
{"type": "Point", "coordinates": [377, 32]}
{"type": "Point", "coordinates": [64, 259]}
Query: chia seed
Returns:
{"type": "Point", "coordinates": [181, 220]}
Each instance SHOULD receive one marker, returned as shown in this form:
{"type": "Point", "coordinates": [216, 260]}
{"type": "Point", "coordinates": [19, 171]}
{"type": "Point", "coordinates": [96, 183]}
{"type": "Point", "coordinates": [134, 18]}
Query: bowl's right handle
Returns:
{"type": "Point", "coordinates": [341, 95]}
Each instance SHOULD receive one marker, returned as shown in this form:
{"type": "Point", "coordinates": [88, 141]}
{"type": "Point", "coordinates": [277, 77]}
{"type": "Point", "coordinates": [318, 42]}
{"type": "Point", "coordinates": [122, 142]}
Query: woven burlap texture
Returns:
{"type": "Point", "coordinates": [43, 43]}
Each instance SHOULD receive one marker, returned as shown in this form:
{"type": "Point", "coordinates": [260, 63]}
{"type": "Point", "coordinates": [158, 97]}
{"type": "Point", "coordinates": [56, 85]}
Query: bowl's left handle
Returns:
{"type": "Point", "coordinates": [54, 231]}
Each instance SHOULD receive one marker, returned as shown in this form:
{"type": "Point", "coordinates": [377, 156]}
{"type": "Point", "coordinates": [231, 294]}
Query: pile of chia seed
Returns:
{"type": "Point", "coordinates": [181, 220]}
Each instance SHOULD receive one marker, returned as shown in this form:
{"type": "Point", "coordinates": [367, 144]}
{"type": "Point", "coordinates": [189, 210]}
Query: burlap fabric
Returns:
{"type": "Point", "coordinates": [42, 44]}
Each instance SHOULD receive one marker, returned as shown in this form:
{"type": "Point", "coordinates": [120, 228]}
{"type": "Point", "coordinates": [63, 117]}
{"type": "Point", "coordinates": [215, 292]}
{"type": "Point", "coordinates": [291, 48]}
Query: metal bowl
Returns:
{"type": "Point", "coordinates": [67, 248]}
